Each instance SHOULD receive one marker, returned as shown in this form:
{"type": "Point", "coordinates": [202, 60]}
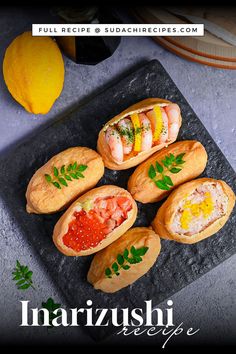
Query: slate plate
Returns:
{"type": "Point", "coordinates": [177, 265]}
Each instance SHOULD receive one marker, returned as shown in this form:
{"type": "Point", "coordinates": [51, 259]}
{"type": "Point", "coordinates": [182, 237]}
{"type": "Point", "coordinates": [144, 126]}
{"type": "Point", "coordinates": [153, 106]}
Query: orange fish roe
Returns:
{"type": "Point", "coordinates": [84, 232]}
{"type": "Point", "coordinates": [88, 229]}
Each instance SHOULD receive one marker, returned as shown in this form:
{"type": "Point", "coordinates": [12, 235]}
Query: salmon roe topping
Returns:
{"type": "Point", "coordinates": [88, 229]}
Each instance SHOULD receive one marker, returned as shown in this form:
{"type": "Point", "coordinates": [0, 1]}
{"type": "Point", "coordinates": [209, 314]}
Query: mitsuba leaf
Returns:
{"type": "Point", "coordinates": [137, 255]}
{"type": "Point", "coordinates": [126, 254]}
{"type": "Point", "coordinates": [126, 267]}
{"type": "Point", "coordinates": [68, 178]}
{"type": "Point", "coordinates": [24, 287]}
{"type": "Point", "coordinates": [108, 271]}
{"type": "Point", "coordinates": [48, 178]}
{"type": "Point", "coordinates": [166, 162]}
{"type": "Point", "coordinates": [55, 171]}
{"type": "Point", "coordinates": [63, 181]}
{"type": "Point", "coordinates": [82, 168]}
{"type": "Point", "coordinates": [162, 185]}
{"type": "Point", "coordinates": [151, 172]}
{"type": "Point", "coordinates": [57, 185]}
{"type": "Point", "coordinates": [28, 275]}
{"type": "Point", "coordinates": [73, 171]}
{"type": "Point", "coordinates": [115, 267]}
{"type": "Point", "coordinates": [63, 169]}
{"type": "Point", "coordinates": [120, 259]}
{"type": "Point", "coordinates": [179, 158]}
{"type": "Point", "coordinates": [175, 170]}
{"type": "Point", "coordinates": [22, 275]}
{"type": "Point", "coordinates": [73, 175]}
{"type": "Point", "coordinates": [74, 166]}
{"type": "Point", "coordinates": [51, 306]}
{"type": "Point", "coordinates": [159, 168]}
{"type": "Point", "coordinates": [133, 251]}
{"type": "Point", "coordinates": [167, 180]}
{"type": "Point", "coordinates": [79, 174]}
{"type": "Point", "coordinates": [142, 251]}
{"type": "Point", "coordinates": [171, 158]}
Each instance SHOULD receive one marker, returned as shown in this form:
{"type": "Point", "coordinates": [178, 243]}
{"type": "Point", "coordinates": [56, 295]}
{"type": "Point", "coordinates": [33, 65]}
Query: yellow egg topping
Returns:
{"type": "Point", "coordinates": [159, 123]}
{"type": "Point", "coordinates": [137, 131]}
{"type": "Point", "coordinates": [191, 210]}
{"type": "Point", "coordinates": [185, 219]}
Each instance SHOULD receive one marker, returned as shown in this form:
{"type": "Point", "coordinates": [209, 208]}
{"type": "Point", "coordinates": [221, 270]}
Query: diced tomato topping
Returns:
{"type": "Point", "coordinates": [88, 229]}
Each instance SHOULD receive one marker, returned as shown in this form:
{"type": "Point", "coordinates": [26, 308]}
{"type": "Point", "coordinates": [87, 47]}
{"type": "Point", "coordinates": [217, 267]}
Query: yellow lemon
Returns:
{"type": "Point", "coordinates": [33, 70]}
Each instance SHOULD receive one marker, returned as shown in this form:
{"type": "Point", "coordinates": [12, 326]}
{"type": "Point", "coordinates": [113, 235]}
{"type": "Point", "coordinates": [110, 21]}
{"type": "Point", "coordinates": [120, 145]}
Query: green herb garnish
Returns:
{"type": "Point", "coordinates": [170, 164]}
{"type": "Point", "coordinates": [23, 276]}
{"type": "Point", "coordinates": [138, 130]}
{"type": "Point", "coordinates": [64, 174]}
{"type": "Point", "coordinates": [51, 306]}
{"type": "Point", "coordinates": [128, 134]}
{"type": "Point", "coordinates": [123, 261]}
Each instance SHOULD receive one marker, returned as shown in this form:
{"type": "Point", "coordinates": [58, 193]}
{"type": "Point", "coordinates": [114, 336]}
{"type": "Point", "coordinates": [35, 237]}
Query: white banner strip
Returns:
{"type": "Point", "coordinates": [117, 30]}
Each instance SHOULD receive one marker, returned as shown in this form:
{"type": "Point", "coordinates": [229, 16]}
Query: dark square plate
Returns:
{"type": "Point", "coordinates": [177, 265]}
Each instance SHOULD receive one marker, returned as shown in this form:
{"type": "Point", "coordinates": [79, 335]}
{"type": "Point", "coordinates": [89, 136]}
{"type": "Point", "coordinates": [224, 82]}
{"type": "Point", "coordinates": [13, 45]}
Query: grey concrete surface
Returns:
{"type": "Point", "coordinates": [209, 303]}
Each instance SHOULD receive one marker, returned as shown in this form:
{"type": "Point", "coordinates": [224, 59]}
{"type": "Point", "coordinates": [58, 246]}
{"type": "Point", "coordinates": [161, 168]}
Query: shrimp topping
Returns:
{"type": "Point", "coordinates": [113, 139]}
{"type": "Point", "coordinates": [126, 131]}
{"type": "Point", "coordinates": [164, 132]}
{"type": "Point", "coordinates": [146, 132]}
{"type": "Point", "coordinates": [141, 131]}
{"type": "Point", "coordinates": [173, 113]}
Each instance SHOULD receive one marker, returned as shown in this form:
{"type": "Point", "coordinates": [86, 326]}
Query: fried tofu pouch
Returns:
{"type": "Point", "coordinates": [96, 219]}
{"type": "Point", "coordinates": [85, 170]}
{"type": "Point", "coordinates": [195, 211]}
{"type": "Point", "coordinates": [139, 237]}
{"type": "Point", "coordinates": [194, 157]}
{"type": "Point", "coordinates": [136, 133]}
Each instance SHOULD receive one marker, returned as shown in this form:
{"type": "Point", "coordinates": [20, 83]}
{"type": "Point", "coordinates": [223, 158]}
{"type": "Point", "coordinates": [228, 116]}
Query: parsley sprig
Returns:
{"type": "Point", "coordinates": [170, 163]}
{"type": "Point", "coordinates": [123, 261]}
{"type": "Point", "coordinates": [128, 134]}
{"type": "Point", "coordinates": [64, 174]}
{"type": "Point", "coordinates": [23, 276]}
{"type": "Point", "coordinates": [51, 306]}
